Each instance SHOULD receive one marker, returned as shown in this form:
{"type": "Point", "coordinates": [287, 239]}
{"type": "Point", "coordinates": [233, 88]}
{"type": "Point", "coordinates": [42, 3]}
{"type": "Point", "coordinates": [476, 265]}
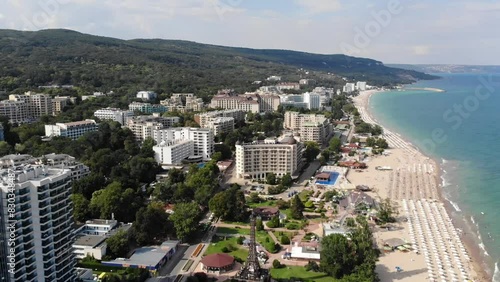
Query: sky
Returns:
{"type": "Point", "coordinates": [392, 31]}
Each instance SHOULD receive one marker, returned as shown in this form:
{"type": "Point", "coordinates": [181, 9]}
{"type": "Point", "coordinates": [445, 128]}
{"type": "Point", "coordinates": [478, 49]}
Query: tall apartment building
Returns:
{"type": "Point", "coordinates": [118, 115]}
{"type": "Point", "coordinates": [311, 127]}
{"type": "Point", "coordinates": [255, 160]}
{"type": "Point", "coordinates": [349, 87]}
{"type": "Point", "coordinates": [2, 137]}
{"type": "Point", "coordinates": [203, 139]}
{"type": "Point", "coordinates": [143, 126]}
{"type": "Point", "coordinates": [147, 108]}
{"type": "Point", "coordinates": [16, 111]}
{"type": "Point", "coordinates": [61, 161]}
{"type": "Point", "coordinates": [58, 104]}
{"type": "Point", "coordinates": [173, 152]}
{"type": "Point", "coordinates": [312, 100]}
{"type": "Point", "coordinates": [38, 104]}
{"type": "Point", "coordinates": [361, 85]}
{"type": "Point", "coordinates": [221, 125]}
{"type": "Point", "coordinates": [73, 130]}
{"type": "Point", "coordinates": [37, 234]}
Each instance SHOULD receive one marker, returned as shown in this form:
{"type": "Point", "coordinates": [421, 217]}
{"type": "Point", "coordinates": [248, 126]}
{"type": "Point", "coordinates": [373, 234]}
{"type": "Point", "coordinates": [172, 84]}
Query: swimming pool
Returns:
{"type": "Point", "coordinates": [333, 178]}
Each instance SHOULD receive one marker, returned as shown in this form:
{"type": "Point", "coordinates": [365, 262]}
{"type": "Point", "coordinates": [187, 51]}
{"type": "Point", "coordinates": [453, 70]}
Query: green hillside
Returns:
{"type": "Point", "coordinates": [30, 59]}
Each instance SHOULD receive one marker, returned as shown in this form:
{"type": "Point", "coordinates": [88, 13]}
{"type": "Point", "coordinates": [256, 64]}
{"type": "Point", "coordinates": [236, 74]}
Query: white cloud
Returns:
{"type": "Point", "coordinates": [421, 50]}
{"type": "Point", "coordinates": [319, 6]}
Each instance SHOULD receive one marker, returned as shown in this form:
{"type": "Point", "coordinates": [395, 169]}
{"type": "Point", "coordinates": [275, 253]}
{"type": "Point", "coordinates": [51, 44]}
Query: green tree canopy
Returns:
{"type": "Point", "coordinates": [185, 219]}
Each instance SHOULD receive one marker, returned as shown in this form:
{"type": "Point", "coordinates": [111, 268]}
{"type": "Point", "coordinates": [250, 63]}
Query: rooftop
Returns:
{"type": "Point", "coordinates": [90, 240]}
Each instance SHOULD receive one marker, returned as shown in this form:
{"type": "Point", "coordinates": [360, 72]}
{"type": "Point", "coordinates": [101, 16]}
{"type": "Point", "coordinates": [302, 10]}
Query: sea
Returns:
{"type": "Point", "coordinates": [460, 129]}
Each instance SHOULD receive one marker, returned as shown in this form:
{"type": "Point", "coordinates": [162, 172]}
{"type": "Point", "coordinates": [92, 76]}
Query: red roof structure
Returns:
{"type": "Point", "coordinates": [218, 261]}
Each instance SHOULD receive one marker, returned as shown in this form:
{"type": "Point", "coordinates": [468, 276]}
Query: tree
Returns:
{"type": "Point", "coordinates": [335, 144]}
{"type": "Point", "coordinates": [230, 205]}
{"type": "Point", "coordinates": [151, 224]}
{"type": "Point", "coordinates": [225, 151]}
{"type": "Point", "coordinates": [277, 264]}
{"type": "Point", "coordinates": [88, 185]}
{"type": "Point", "coordinates": [312, 150]}
{"type": "Point", "coordinates": [81, 211]}
{"type": "Point", "coordinates": [284, 240]}
{"type": "Point", "coordinates": [274, 222]}
{"type": "Point", "coordinates": [185, 219]}
{"type": "Point", "coordinates": [114, 199]}
{"type": "Point", "coordinates": [377, 130]}
{"type": "Point", "coordinates": [5, 148]}
{"type": "Point", "coordinates": [286, 180]}
{"type": "Point", "coordinates": [297, 207]}
{"type": "Point", "coordinates": [118, 244]}
{"type": "Point", "coordinates": [386, 212]}
{"type": "Point", "coordinates": [259, 226]}
{"type": "Point", "coordinates": [336, 255]}
{"type": "Point", "coordinates": [254, 198]}
{"type": "Point", "coordinates": [271, 178]}
{"type": "Point", "coordinates": [312, 266]}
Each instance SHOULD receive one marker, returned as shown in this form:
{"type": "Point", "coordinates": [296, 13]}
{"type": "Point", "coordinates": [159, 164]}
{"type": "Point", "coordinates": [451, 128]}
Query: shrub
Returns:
{"type": "Point", "coordinates": [272, 247]}
{"type": "Point", "coordinates": [284, 240]}
{"type": "Point", "coordinates": [240, 240]}
{"type": "Point", "coordinates": [274, 222]}
{"type": "Point", "coordinates": [309, 204]}
{"type": "Point", "coordinates": [312, 266]}
{"type": "Point", "coordinates": [292, 226]}
{"type": "Point", "coordinates": [259, 226]}
{"type": "Point", "coordinates": [225, 249]}
{"type": "Point", "coordinates": [277, 264]}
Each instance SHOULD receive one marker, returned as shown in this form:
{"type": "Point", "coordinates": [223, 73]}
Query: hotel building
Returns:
{"type": "Point", "coordinates": [114, 114]}
{"type": "Point", "coordinates": [173, 152]}
{"type": "Point", "coordinates": [73, 130]}
{"type": "Point", "coordinates": [255, 160]}
{"type": "Point", "coordinates": [43, 232]}
{"type": "Point", "coordinates": [203, 139]}
{"type": "Point", "coordinates": [147, 108]}
{"type": "Point", "coordinates": [143, 126]}
{"type": "Point", "coordinates": [311, 127]}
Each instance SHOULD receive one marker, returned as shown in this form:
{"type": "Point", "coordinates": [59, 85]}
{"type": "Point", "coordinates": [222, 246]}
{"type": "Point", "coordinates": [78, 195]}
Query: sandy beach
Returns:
{"type": "Point", "coordinates": [413, 185]}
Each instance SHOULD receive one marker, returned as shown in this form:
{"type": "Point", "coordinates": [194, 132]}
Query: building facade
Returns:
{"type": "Point", "coordinates": [173, 152]}
{"type": "Point", "coordinates": [39, 236]}
{"type": "Point", "coordinates": [146, 95]}
{"type": "Point", "coordinates": [114, 114]}
{"type": "Point", "coordinates": [203, 139]}
{"type": "Point", "coordinates": [16, 111]}
{"type": "Point", "coordinates": [310, 127]}
{"type": "Point", "coordinates": [143, 126]}
{"type": "Point", "coordinates": [147, 108]}
{"type": "Point", "coordinates": [73, 130]}
{"type": "Point", "coordinates": [256, 160]}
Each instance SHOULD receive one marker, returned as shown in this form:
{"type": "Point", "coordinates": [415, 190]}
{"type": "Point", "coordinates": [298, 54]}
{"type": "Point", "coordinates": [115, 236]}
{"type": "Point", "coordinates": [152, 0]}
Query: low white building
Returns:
{"type": "Point", "coordinates": [73, 130]}
{"type": "Point", "coordinates": [118, 115]}
{"type": "Point", "coordinates": [203, 139]}
{"type": "Point", "coordinates": [90, 245]}
{"type": "Point", "coordinates": [173, 152]}
{"type": "Point", "coordinates": [146, 95]}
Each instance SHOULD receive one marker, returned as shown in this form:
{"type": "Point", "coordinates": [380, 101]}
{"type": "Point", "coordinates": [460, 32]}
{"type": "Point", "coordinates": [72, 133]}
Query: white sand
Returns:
{"type": "Point", "coordinates": [413, 186]}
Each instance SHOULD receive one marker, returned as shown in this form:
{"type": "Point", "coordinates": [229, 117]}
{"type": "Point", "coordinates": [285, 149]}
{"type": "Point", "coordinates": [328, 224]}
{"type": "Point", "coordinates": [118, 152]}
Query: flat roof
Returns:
{"type": "Point", "coordinates": [146, 256]}
{"type": "Point", "coordinates": [89, 240]}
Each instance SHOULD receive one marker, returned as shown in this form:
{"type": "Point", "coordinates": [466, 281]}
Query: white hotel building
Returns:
{"type": "Point", "coordinates": [43, 232]}
{"type": "Point", "coordinates": [255, 160]}
{"type": "Point", "coordinates": [114, 114]}
{"type": "Point", "coordinates": [202, 138]}
{"type": "Point", "coordinates": [73, 130]}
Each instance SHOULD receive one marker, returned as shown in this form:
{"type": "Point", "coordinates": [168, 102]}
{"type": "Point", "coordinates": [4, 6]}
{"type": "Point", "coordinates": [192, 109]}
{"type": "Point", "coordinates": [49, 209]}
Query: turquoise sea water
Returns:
{"type": "Point", "coordinates": [460, 128]}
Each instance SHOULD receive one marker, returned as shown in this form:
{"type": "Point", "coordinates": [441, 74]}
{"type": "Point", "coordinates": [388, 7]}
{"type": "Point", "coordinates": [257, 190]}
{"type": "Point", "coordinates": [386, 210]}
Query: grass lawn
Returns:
{"type": "Point", "coordinates": [217, 245]}
{"type": "Point", "coordinates": [227, 230]}
{"type": "Point", "coordinates": [260, 236]}
{"type": "Point", "coordinates": [288, 234]}
{"type": "Point", "coordinates": [300, 273]}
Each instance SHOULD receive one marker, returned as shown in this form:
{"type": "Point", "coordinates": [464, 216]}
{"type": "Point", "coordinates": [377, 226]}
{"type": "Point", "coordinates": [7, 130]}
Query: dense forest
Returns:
{"type": "Point", "coordinates": [93, 63]}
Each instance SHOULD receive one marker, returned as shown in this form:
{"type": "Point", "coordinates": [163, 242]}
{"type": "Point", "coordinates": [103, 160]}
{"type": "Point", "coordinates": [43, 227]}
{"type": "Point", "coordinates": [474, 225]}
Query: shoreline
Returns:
{"type": "Point", "coordinates": [412, 153]}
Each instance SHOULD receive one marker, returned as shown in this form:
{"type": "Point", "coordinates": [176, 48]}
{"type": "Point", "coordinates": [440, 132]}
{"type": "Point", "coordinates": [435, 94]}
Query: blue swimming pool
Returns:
{"type": "Point", "coordinates": [331, 181]}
